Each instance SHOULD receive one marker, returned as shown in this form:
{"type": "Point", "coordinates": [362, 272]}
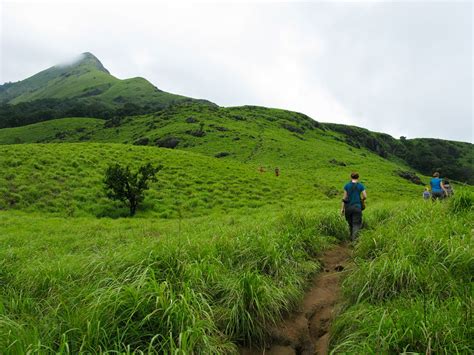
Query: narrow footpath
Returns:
{"type": "Point", "coordinates": [306, 331]}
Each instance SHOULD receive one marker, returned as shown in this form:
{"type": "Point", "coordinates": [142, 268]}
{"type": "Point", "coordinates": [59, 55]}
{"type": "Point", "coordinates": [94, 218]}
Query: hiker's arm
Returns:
{"type": "Point", "coordinates": [344, 198]}
{"type": "Point", "coordinates": [444, 189]}
{"type": "Point", "coordinates": [364, 195]}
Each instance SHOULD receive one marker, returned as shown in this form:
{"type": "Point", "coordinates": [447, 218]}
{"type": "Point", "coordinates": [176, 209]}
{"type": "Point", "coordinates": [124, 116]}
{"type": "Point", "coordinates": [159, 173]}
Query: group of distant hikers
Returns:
{"type": "Point", "coordinates": [353, 200]}
{"type": "Point", "coordinates": [438, 189]}
{"type": "Point", "coordinates": [262, 170]}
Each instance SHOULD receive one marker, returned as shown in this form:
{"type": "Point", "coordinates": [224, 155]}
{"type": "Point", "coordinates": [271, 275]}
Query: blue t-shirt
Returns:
{"type": "Point", "coordinates": [436, 185]}
{"type": "Point", "coordinates": [353, 193]}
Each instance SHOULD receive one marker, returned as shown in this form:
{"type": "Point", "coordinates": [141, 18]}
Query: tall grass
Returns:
{"type": "Point", "coordinates": [97, 286]}
{"type": "Point", "coordinates": [411, 288]}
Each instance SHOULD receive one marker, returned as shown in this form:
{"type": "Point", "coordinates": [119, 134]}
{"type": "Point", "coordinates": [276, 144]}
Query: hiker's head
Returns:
{"type": "Point", "coordinates": [446, 182]}
{"type": "Point", "coordinates": [354, 175]}
{"type": "Point", "coordinates": [435, 174]}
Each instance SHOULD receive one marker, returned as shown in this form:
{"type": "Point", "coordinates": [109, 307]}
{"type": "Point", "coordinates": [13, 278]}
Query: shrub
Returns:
{"type": "Point", "coordinates": [337, 162]}
{"type": "Point", "coordinates": [198, 132]}
{"type": "Point", "coordinates": [191, 120]}
{"type": "Point", "coordinates": [331, 192]}
{"type": "Point", "coordinates": [292, 128]}
{"type": "Point", "coordinates": [60, 135]}
{"type": "Point", "coordinates": [222, 154]}
{"type": "Point", "coordinates": [123, 185]}
{"type": "Point", "coordinates": [167, 142]}
{"type": "Point", "coordinates": [221, 129]}
{"type": "Point", "coordinates": [113, 122]}
{"type": "Point", "coordinates": [142, 141]}
{"type": "Point", "coordinates": [410, 176]}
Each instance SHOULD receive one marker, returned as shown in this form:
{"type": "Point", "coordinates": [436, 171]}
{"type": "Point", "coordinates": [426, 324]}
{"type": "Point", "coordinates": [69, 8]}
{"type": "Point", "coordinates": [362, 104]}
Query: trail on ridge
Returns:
{"type": "Point", "coordinates": [306, 331]}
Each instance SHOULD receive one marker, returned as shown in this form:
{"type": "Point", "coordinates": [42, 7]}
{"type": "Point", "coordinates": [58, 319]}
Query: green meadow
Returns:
{"type": "Point", "coordinates": [221, 249]}
{"type": "Point", "coordinates": [147, 285]}
{"type": "Point", "coordinates": [219, 252]}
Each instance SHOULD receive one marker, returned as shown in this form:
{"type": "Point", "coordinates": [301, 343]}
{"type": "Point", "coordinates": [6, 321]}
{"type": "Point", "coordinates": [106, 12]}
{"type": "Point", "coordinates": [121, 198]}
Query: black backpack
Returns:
{"type": "Point", "coordinates": [362, 201]}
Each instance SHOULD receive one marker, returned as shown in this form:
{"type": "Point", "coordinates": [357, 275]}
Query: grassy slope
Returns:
{"type": "Point", "coordinates": [253, 137]}
{"type": "Point", "coordinates": [236, 261]}
{"type": "Point", "coordinates": [452, 159]}
{"type": "Point", "coordinates": [66, 179]}
{"type": "Point", "coordinates": [307, 173]}
{"type": "Point", "coordinates": [50, 130]}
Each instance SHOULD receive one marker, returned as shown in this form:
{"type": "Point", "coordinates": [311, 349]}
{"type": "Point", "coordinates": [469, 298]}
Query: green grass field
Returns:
{"type": "Point", "coordinates": [199, 285]}
{"type": "Point", "coordinates": [221, 249]}
{"type": "Point", "coordinates": [218, 252]}
{"type": "Point", "coordinates": [66, 179]}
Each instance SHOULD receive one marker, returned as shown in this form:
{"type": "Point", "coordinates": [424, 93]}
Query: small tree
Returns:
{"type": "Point", "coordinates": [129, 187]}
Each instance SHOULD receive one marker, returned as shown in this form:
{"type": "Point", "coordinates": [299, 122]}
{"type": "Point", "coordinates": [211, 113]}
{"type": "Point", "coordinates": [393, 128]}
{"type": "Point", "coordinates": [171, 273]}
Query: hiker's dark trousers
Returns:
{"type": "Point", "coordinates": [354, 218]}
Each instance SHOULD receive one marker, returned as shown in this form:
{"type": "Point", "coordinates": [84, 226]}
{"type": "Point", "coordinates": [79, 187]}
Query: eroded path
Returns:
{"type": "Point", "coordinates": [306, 330]}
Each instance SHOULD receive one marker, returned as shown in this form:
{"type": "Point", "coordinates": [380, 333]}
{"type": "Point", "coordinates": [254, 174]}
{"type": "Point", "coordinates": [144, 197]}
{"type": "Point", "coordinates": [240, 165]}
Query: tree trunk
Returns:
{"type": "Point", "coordinates": [133, 208]}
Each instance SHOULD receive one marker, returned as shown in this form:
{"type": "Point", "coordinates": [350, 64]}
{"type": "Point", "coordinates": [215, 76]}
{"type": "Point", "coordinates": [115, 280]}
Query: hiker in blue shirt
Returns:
{"type": "Point", "coordinates": [438, 191]}
{"type": "Point", "coordinates": [353, 204]}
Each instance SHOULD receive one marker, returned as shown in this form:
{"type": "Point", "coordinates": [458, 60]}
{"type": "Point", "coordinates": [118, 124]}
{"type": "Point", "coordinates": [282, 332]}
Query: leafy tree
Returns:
{"type": "Point", "coordinates": [124, 185]}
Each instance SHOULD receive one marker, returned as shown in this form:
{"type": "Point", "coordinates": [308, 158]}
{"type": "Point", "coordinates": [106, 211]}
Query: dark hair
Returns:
{"type": "Point", "coordinates": [354, 175]}
{"type": "Point", "coordinates": [446, 181]}
{"type": "Point", "coordinates": [436, 174]}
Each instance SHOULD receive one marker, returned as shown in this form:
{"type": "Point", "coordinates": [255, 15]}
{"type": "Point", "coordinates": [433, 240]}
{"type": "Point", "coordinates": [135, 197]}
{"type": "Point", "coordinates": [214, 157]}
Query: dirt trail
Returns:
{"type": "Point", "coordinates": [306, 330]}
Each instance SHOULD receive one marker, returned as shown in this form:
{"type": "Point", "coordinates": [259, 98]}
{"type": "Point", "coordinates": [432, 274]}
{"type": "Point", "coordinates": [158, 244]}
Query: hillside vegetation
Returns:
{"type": "Point", "coordinates": [200, 285]}
{"type": "Point", "coordinates": [411, 288]}
{"type": "Point", "coordinates": [221, 248]}
{"type": "Point", "coordinates": [204, 284]}
{"type": "Point", "coordinates": [255, 134]}
{"type": "Point", "coordinates": [67, 179]}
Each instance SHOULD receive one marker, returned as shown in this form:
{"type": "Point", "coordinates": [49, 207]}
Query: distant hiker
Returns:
{"type": "Point", "coordinates": [261, 169]}
{"type": "Point", "coordinates": [426, 193]}
{"type": "Point", "coordinates": [277, 171]}
{"type": "Point", "coordinates": [353, 204]}
{"type": "Point", "coordinates": [437, 187]}
{"type": "Point", "coordinates": [448, 187]}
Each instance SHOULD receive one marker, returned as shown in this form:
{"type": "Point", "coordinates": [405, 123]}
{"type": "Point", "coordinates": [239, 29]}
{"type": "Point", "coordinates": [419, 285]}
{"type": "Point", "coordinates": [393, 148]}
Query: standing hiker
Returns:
{"type": "Point", "coordinates": [353, 204]}
{"type": "Point", "coordinates": [437, 188]}
{"type": "Point", "coordinates": [277, 171]}
{"type": "Point", "coordinates": [448, 187]}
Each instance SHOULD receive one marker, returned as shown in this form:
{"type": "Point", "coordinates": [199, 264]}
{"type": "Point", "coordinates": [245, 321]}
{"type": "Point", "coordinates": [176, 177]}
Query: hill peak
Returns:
{"type": "Point", "coordinates": [87, 58]}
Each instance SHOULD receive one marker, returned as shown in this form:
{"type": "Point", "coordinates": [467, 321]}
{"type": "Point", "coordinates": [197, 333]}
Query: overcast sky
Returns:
{"type": "Point", "coordinates": [403, 68]}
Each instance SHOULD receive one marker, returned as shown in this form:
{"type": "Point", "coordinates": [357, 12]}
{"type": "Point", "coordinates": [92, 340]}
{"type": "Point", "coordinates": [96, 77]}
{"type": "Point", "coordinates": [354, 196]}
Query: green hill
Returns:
{"type": "Point", "coordinates": [452, 159]}
{"type": "Point", "coordinates": [84, 83]}
{"type": "Point", "coordinates": [262, 136]}
{"type": "Point", "coordinates": [230, 144]}
{"type": "Point", "coordinates": [221, 247]}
